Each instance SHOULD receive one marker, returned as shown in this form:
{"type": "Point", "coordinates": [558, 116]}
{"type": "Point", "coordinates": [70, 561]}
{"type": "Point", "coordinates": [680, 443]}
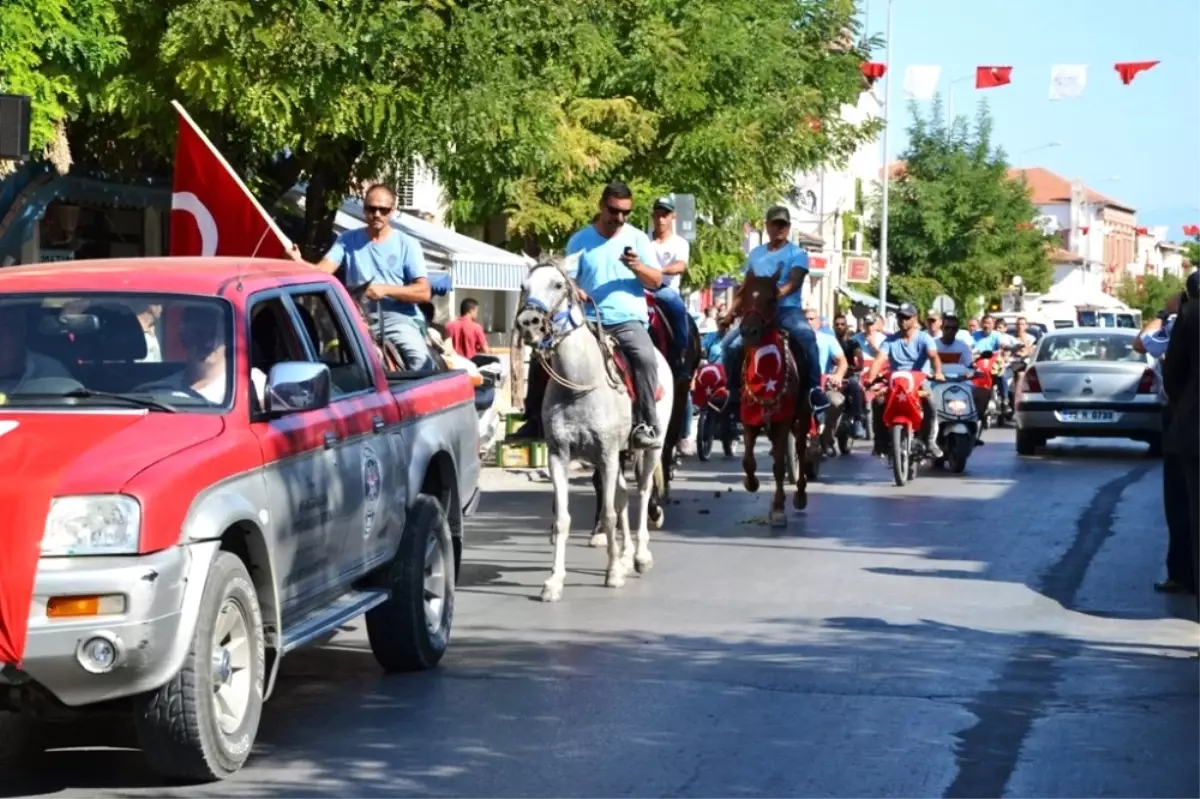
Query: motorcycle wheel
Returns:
{"type": "Point", "coordinates": [958, 449]}
{"type": "Point", "coordinates": [844, 442]}
{"type": "Point", "coordinates": [706, 426]}
{"type": "Point", "coordinates": [901, 454]}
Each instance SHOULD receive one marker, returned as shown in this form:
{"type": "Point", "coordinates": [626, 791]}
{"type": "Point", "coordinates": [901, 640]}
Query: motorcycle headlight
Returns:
{"type": "Point", "coordinates": [99, 524]}
{"type": "Point", "coordinates": [957, 406]}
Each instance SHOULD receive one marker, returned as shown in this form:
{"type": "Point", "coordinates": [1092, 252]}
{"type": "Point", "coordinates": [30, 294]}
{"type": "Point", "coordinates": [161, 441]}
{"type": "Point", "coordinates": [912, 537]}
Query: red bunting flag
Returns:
{"type": "Point", "coordinates": [991, 77]}
{"type": "Point", "coordinates": [1084, 229]}
{"type": "Point", "coordinates": [1142, 231]}
{"type": "Point", "coordinates": [1191, 230]}
{"type": "Point", "coordinates": [1128, 70]}
{"type": "Point", "coordinates": [874, 70]}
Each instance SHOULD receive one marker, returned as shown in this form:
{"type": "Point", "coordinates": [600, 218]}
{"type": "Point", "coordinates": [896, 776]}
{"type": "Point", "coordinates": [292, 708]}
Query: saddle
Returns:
{"type": "Point", "coordinates": [626, 373]}
{"type": "Point", "coordinates": [660, 328]}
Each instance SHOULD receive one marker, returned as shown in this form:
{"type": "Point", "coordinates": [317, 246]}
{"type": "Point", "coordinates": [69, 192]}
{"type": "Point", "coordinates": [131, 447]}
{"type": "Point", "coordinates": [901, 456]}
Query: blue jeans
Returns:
{"type": "Point", "coordinates": [406, 334]}
{"type": "Point", "coordinates": [676, 312]}
{"type": "Point", "coordinates": [790, 319]}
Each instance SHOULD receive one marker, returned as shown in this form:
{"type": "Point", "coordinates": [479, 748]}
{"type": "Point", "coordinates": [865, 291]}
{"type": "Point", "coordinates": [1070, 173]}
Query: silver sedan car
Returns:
{"type": "Point", "coordinates": [1088, 382]}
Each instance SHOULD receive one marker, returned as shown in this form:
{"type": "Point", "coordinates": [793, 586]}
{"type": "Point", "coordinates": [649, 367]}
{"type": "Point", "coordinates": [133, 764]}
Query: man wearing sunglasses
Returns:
{"type": "Point", "coordinates": [616, 266]}
{"type": "Point", "coordinates": [778, 256]}
{"type": "Point", "coordinates": [393, 262]}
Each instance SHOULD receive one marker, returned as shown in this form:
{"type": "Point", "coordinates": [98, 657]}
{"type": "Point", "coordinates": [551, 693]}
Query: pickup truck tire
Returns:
{"type": "Point", "coordinates": [22, 742]}
{"type": "Point", "coordinates": [411, 630]}
{"type": "Point", "coordinates": [181, 730]}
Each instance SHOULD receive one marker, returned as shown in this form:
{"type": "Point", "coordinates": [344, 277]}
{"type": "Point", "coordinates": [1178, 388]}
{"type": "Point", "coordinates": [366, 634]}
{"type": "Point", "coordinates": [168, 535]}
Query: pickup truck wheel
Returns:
{"type": "Point", "coordinates": [201, 725]}
{"type": "Point", "coordinates": [22, 742]}
{"type": "Point", "coordinates": [411, 630]}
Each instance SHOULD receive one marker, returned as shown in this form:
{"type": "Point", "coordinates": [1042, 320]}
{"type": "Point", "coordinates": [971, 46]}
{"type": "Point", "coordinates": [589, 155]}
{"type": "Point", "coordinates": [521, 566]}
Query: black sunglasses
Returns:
{"type": "Point", "coordinates": [618, 211]}
{"type": "Point", "coordinates": [377, 209]}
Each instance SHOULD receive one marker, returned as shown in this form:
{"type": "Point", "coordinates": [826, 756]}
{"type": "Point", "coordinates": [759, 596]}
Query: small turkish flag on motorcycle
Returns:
{"type": "Point", "coordinates": [212, 211]}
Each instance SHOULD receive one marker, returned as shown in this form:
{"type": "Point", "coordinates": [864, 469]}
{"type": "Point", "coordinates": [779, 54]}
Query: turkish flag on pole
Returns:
{"type": "Point", "coordinates": [212, 211]}
{"type": "Point", "coordinates": [991, 77]}
{"type": "Point", "coordinates": [1191, 230]}
{"type": "Point", "coordinates": [1128, 70]}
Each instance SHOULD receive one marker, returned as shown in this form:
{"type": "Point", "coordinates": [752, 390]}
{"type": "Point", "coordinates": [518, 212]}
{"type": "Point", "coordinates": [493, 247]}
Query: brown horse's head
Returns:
{"type": "Point", "coordinates": [759, 298]}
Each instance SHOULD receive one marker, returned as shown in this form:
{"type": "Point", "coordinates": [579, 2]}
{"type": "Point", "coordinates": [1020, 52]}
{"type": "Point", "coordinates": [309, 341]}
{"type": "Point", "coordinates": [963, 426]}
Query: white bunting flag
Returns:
{"type": "Point", "coordinates": [1067, 81]}
{"type": "Point", "coordinates": [921, 81]}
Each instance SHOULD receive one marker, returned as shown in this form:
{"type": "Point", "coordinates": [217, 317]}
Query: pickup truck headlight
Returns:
{"type": "Point", "coordinates": [99, 524]}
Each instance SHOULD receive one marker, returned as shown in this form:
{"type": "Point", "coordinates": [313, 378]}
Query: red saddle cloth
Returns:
{"type": "Point", "coordinates": [627, 376]}
{"type": "Point", "coordinates": [765, 395]}
{"type": "Point", "coordinates": [660, 328]}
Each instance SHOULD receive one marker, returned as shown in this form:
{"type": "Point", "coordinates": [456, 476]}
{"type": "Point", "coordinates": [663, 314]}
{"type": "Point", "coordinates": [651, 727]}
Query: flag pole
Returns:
{"type": "Point", "coordinates": [271, 225]}
{"type": "Point", "coordinates": [887, 124]}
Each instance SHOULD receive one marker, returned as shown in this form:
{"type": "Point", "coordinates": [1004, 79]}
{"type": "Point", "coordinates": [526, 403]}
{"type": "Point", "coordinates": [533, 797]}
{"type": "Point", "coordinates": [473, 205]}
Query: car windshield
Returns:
{"type": "Point", "coordinates": [1089, 347]}
{"type": "Point", "coordinates": [161, 352]}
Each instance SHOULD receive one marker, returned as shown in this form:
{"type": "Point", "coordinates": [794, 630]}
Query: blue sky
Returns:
{"type": "Point", "coordinates": [1146, 134]}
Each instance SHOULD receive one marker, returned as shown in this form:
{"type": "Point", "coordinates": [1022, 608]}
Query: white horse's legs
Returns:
{"type": "Point", "coordinates": [643, 561]}
{"type": "Point", "coordinates": [560, 463]}
{"type": "Point", "coordinates": [610, 467]}
{"type": "Point", "coordinates": [622, 502]}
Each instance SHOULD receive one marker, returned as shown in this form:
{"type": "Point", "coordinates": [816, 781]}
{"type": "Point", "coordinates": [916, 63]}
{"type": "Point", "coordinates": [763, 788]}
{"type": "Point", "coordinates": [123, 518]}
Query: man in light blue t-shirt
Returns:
{"type": "Point", "coordinates": [393, 262]}
{"type": "Point", "coordinates": [778, 255]}
{"type": "Point", "coordinates": [616, 266]}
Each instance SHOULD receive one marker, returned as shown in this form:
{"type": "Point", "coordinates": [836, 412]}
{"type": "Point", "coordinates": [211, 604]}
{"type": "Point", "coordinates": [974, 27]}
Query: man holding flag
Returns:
{"type": "Point", "coordinates": [393, 262]}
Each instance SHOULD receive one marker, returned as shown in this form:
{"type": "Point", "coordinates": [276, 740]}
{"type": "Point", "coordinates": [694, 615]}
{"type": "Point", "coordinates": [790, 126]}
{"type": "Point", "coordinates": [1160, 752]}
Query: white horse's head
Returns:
{"type": "Point", "coordinates": [547, 292]}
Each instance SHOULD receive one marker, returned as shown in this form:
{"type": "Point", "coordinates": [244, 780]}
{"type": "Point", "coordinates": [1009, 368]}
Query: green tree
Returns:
{"type": "Point", "coordinates": [1149, 294]}
{"type": "Point", "coordinates": [47, 48]}
{"type": "Point", "coordinates": [955, 217]}
{"type": "Point", "coordinates": [1191, 251]}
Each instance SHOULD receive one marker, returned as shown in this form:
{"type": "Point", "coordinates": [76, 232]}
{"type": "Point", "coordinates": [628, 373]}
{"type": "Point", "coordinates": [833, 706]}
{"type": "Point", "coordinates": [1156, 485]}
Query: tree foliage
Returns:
{"type": "Point", "coordinates": [1191, 251]}
{"type": "Point", "coordinates": [956, 219]}
{"type": "Point", "coordinates": [48, 48]}
{"type": "Point", "coordinates": [1150, 293]}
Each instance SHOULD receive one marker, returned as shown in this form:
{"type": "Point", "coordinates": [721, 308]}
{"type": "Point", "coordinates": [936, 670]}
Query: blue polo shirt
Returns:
{"type": "Point", "coordinates": [616, 290]}
{"type": "Point", "coordinates": [396, 261]}
{"type": "Point", "coordinates": [765, 262]}
{"type": "Point", "coordinates": [827, 349]}
{"type": "Point", "coordinates": [908, 356]}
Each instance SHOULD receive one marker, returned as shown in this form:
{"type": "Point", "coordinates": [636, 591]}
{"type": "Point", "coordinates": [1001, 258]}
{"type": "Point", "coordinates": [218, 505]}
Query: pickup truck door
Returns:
{"type": "Point", "coordinates": [365, 528]}
{"type": "Point", "coordinates": [300, 463]}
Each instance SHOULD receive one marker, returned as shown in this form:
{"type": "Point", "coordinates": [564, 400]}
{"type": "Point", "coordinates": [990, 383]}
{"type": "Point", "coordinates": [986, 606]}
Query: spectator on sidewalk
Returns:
{"type": "Point", "coordinates": [1154, 340]}
{"type": "Point", "coordinates": [1181, 379]}
{"type": "Point", "coordinates": [466, 334]}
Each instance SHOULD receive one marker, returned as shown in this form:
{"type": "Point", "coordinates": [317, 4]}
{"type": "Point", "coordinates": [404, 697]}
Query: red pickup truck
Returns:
{"type": "Point", "coordinates": [206, 467]}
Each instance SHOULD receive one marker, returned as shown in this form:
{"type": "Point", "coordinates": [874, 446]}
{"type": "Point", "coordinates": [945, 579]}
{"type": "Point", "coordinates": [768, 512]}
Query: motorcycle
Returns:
{"type": "Point", "coordinates": [709, 397]}
{"type": "Point", "coordinates": [987, 368]}
{"type": "Point", "coordinates": [845, 429]}
{"type": "Point", "coordinates": [958, 421]}
{"type": "Point", "coordinates": [903, 416]}
{"type": "Point", "coordinates": [1016, 369]}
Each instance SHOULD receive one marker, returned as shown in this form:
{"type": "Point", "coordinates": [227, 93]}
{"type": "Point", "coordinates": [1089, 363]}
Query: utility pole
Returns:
{"type": "Point", "coordinates": [887, 125]}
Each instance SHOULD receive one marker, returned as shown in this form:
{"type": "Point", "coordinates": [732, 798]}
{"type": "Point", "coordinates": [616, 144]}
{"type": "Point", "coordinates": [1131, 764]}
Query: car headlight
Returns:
{"type": "Point", "coordinates": [99, 524]}
{"type": "Point", "coordinates": [957, 406]}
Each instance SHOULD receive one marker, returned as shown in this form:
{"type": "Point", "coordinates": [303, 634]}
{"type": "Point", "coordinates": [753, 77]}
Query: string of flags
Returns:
{"type": "Point", "coordinates": [1067, 81]}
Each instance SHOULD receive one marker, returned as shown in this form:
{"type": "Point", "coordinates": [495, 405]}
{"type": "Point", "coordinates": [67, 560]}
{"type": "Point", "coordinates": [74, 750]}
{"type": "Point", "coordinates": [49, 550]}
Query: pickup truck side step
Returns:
{"type": "Point", "coordinates": [349, 606]}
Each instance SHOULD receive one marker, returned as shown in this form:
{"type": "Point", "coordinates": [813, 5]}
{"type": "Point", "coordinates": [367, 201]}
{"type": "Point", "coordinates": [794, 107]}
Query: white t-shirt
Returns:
{"type": "Point", "coordinates": [958, 348]}
{"type": "Point", "coordinates": [674, 248]}
{"type": "Point", "coordinates": [214, 390]}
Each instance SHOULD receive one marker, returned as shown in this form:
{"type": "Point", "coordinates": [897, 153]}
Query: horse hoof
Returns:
{"type": "Point", "coordinates": [615, 578]}
{"type": "Point", "coordinates": [551, 593]}
{"type": "Point", "coordinates": [598, 540]}
{"type": "Point", "coordinates": [777, 519]}
{"type": "Point", "coordinates": [657, 518]}
{"type": "Point", "coordinates": [645, 564]}
{"type": "Point", "coordinates": [750, 484]}
{"type": "Point", "coordinates": [800, 500]}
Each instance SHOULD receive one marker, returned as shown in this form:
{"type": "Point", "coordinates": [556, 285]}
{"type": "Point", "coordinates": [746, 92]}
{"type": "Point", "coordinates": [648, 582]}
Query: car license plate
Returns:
{"type": "Point", "coordinates": [1087, 416]}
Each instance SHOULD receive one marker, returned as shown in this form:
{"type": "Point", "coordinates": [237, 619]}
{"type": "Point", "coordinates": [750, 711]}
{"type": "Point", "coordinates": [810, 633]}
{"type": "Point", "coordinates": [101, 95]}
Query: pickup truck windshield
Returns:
{"type": "Point", "coordinates": [161, 352]}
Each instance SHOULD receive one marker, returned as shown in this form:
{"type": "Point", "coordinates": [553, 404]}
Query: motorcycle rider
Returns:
{"type": "Point", "coordinates": [871, 337]}
{"type": "Point", "coordinates": [989, 339]}
{"type": "Point", "coordinates": [833, 366]}
{"type": "Point", "coordinates": [952, 349]}
{"type": "Point", "coordinates": [852, 385]}
{"type": "Point", "coordinates": [907, 350]}
{"type": "Point", "coordinates": [778, 256]}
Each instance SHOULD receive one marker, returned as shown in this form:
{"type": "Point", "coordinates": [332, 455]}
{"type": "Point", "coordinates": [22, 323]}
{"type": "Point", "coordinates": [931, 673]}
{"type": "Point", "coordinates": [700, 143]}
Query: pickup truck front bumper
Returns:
{"type": "Point", "coordinates": [142, 635]}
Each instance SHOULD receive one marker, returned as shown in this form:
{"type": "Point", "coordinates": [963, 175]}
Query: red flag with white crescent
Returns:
{"type": "Point", "coordinates": [212, 211]}
{"type": "Point", "coordinates": [764, 390]}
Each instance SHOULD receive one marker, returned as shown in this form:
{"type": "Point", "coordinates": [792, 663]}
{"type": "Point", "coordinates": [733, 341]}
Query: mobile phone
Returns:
{"type": "Point", "coordinates": [628, 251]}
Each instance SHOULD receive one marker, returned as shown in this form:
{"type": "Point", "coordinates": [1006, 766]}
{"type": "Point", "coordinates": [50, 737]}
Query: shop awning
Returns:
{"type": "Point", "coordinates": [863, 299]}
{"type": "Point", "coordinates": [472, 264]}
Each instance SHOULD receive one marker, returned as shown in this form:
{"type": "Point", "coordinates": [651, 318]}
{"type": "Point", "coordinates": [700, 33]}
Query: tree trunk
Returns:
{"type": "Point", "coordinates": [328, 182]}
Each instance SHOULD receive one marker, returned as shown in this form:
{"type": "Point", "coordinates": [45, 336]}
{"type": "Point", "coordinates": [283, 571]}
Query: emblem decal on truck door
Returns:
{"type": "Point", "coordinates": [371, 488]}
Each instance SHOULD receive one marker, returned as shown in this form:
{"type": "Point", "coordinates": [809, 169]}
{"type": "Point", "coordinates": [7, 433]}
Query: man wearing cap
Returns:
{"type": "Point", "coordinates": [781, 257]}
{"type": "Point", "coordinates": [907, 350]}
{"type": "Point", "coordinates": [871, 337]}
{"type": "Point", "coordinates": [672, 252]}
{"type": "Point", "coordinates": [1154, 340]}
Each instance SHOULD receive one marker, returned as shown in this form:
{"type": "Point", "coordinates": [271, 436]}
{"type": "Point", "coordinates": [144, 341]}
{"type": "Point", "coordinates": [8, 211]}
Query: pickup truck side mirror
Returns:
{"type": "Point", "coordinates": [296, 386]}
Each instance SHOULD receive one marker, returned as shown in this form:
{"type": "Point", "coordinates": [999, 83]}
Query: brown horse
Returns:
{"type": "Point", "coordinates": [775, 393]}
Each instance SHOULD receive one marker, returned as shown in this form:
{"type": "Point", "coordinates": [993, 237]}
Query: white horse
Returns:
{"type": "Point", "coordinates": [587, 414]}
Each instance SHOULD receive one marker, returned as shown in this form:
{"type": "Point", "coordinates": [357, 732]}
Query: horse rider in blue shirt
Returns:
{"type": "Point", "coordinates": [616, 268]}
{"type": "Point", "coordinates": [393, 262]}
{"type": "Point", "coordinates": [766, 260]}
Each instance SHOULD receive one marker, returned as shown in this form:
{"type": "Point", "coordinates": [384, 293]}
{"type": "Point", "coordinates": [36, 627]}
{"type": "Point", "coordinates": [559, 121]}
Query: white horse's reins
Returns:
{"type": "Point", "coordinates": [551, 341]}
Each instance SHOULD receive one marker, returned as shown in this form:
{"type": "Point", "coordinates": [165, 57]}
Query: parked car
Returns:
{"type": "Point", "coordinates": [1088, 382]}
{"type": "Point", "coordinates": [206, 469]}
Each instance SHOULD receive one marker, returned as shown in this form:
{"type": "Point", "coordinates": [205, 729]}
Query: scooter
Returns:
{"type": "Point", "coordinates": [986, 364]}
{"type": "Point", "coordinates": [902, 419]}
{"type": "Point", "coordinates": [709, 397]}
{"type": "Point", "coordinates": [958, 421]}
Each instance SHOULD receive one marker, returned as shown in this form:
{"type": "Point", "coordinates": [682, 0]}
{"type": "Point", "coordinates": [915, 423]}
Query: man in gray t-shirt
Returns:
{"type": "Point", "coordinates": [18, 364]}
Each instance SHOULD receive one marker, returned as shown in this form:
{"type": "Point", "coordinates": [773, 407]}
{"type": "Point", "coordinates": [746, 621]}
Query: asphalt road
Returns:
{"type": "Point", "coordinates": [991, 634]}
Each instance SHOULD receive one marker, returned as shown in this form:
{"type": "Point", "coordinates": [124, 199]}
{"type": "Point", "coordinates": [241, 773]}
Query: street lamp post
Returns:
{"type": "Point", "coordinates": [1021, 155]}
{"type": "Point", "coordinates": [887, 124]}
